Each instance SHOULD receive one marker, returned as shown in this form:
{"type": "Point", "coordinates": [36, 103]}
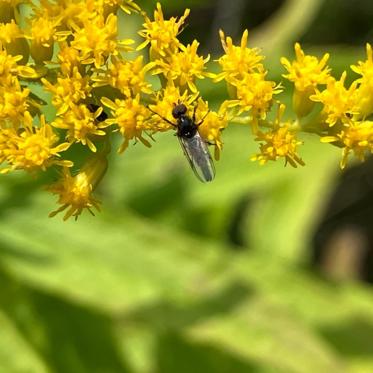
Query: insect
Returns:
{"type": "Point", "coordinates": [93, 108]}
{"type": "Point", "coordinates": [194, 147]}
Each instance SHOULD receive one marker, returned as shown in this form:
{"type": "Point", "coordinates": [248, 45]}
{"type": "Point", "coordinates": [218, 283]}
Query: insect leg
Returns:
{"type": "Point", "coordinates": [204, 117]}
{"type": "Point", "coordinates": [165, 119]}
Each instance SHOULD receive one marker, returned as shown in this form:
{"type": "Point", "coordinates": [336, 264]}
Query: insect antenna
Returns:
{"type": "Point", "coordinates": [165, 119]}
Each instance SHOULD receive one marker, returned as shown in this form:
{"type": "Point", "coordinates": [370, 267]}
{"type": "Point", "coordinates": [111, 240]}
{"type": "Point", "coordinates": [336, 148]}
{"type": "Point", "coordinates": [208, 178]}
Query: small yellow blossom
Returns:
{"type": "Point", "coordinates": [164, 102]}
{"type": "Point", "coordinates": [69, 59]}
{"type": "Point", "coordinates": [13, 103]}
{"type": "Point", "coordinates": [162, 34]}
{"type": "Point", "coordinates": [238, 60]}
{"type": "Point", "coordinates": [365, 67]}
{"type": "Point", "coordinates": [127, 6]}
{"type": "Point", "coordinates": [81, 125]}
{"type": "Point", "coordinates": [68, 91]}
{"type": "Point", "coordinates": [75, 192]}
{"type": "Point", "coordinates": [131, 117]}
{"type": "Point", "coordinates": [97, 40]}
{"type": "Point", "coordinates": [111, 6]}
{"type": "Point", "coordinates": [14, 41]}
{"type": "Point", "coordinates": [213, 123]}
{"type": "Point", "coordinates": [43, 35]}
{"type": "Point", "coordinates": [364, 93]}
{"type": "Point", "coordinates": [356, 138]}
{"type": "Point", "coordinates": [306, 71]}
{"type": "Point", "coordinates": [32, 149]}
{"type": "Point", "coordinates": [183, 67]}
{"type": "Point", "coordinates": [255, 93]}
{"type": "Point", "coordinates": [128, 76]}
{"type": "Point", "coordinates": [279, 142]}
{"type": "Point", "coordinates": [339, 103]}
{"type": "Point", "coordinates": [10, 70]}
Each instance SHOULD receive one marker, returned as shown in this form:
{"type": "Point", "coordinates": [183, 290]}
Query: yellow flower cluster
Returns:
{"type": "Point", "coordinates": [344, 111]}
{"type": "Point", "coordinates": [97, 84]}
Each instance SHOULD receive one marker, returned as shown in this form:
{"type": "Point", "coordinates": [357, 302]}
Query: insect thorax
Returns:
{"type": "Point", "coordinates": [186, 127]}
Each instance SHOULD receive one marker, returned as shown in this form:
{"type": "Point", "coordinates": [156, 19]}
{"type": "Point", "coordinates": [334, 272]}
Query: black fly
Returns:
{"type": "Point", "coordinates": [194, 147]}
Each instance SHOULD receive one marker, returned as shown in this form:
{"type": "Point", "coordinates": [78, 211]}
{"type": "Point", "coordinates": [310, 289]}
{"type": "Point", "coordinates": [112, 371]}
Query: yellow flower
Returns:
{"type": "Point", "coordinates": [306, 71]}
{"type": "Point", "coordinates": [81, 125]}
{"type": "Point", "coordinates": [213, 123]}
{"type": "Point", "coordinates": [43, 36]}
{"type": "Point", "coordinates": [165, 100]}
{"type": "Point", "coordinates": [13, 104]}
{"type": "Point", "coordinates": [255, 93]}
{"type": "Point", "coordinates": [131, 117]}
{"type": "Point", "coordinates": [279, 142]}
{"type": "Point", "coordinates": [238, 60]}
{"type": "Point", "coordinates": [10, 70]}
{"type": "Point", "coordinates": [97, 39]}
{"type": "Point", "coordinates": [162, 34]}
{"type": "Point", "coordinates": [183, 67]}
{"type": "Point", "coordinates": [32, 149]}
{"type": "Point", "coordinates": [364, 93]}
{"type": "Point", "coordinates": [68, 59]}
{"type": "Point", "coordinates": [13, 39]}
{"type": "Point", "coordinates": [356, 137]}
{"type": "Point", "coordinates": [110, 6]}
{"type": "Point", "coordinates": [126, 76]}
{"type": "Point", "coordinates": [68, 91]}
{"type": "Point", "coordinates": [339, 102]}
{"type": "Point", "coordinates": [365, 67]}
{"type": "Point", "coordinates": [75, 192]}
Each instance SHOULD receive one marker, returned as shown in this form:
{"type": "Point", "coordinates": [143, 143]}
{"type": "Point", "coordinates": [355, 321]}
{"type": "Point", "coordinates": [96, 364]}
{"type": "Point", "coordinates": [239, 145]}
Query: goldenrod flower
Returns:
{"type": "Point", "coordinates": [69, 59]}
{"type": "Point", "coordinates": [213, 124]}
{"type": "Point", "coordinates": [255, 94]}
{"type": "Point", "coordinates": [68, 91]}
{"type": "Point", "coordinates": [131, 117]}
{"type": "Point", "coordinates": [13, 40]}
{"type": "Point", "coordinates": [10, 70]}
{"type": "Point", "coordinates": [81, 125]}
{"type": "Point", "coordinates": [97, 39]}
{"type": "Point", "coordinates": [13, 103]}
{"type": "Point", "coordinates": [356, 137]}
{"type": "Point", "coordinates": [306, 71]}
{"type": "Point", "coordinates": [279, 142]}
{"type": "Point", "coordinates": [162, 34]}
{"type": "Point", "coordinates": [75, 192]}
{"type": "Point", "coordinates": [164, 101]}
{"type": "Point", "coordinates": [183, 67]}
{"type": "Point", "coordinates": [365, 67]}
{"type": "Point", "coordinates": [339, 103]}
{"type": "Point", "coordinates": [79, 61]}
{"type": "Point", "coordinates": [364, 93]}
{"type": "Point", "coordinates": [111, 6]}
{"type": "Point", "coordinates": [128, 76]}
{"type": "Point", "coordinates": [31, 149]}
{"type": "Point", "coordinates": [43, 36]}
{"type": "Point", "coordinates": [238, 60]}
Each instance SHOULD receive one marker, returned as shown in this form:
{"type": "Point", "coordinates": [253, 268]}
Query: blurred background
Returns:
{"type": "Point", "coordinates": [267, 269]}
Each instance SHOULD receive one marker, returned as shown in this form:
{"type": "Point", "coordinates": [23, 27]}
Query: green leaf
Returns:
{"type": "Point", "coordinates": [16, 355]}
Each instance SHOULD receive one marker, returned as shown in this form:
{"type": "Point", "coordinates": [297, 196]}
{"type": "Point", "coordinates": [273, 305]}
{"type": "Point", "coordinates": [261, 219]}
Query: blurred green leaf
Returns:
{"type": "Point", "coordinates": [16, 355]}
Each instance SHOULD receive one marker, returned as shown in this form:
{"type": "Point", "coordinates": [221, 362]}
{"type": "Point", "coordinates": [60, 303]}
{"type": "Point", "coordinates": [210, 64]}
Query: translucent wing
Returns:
{"type": "Point", "coordinates": [198, 155]}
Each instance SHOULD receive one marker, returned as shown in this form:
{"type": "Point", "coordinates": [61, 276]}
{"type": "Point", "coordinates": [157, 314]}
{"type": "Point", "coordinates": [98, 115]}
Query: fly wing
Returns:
{"type": "Point", "coordinates": [198, 155]}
